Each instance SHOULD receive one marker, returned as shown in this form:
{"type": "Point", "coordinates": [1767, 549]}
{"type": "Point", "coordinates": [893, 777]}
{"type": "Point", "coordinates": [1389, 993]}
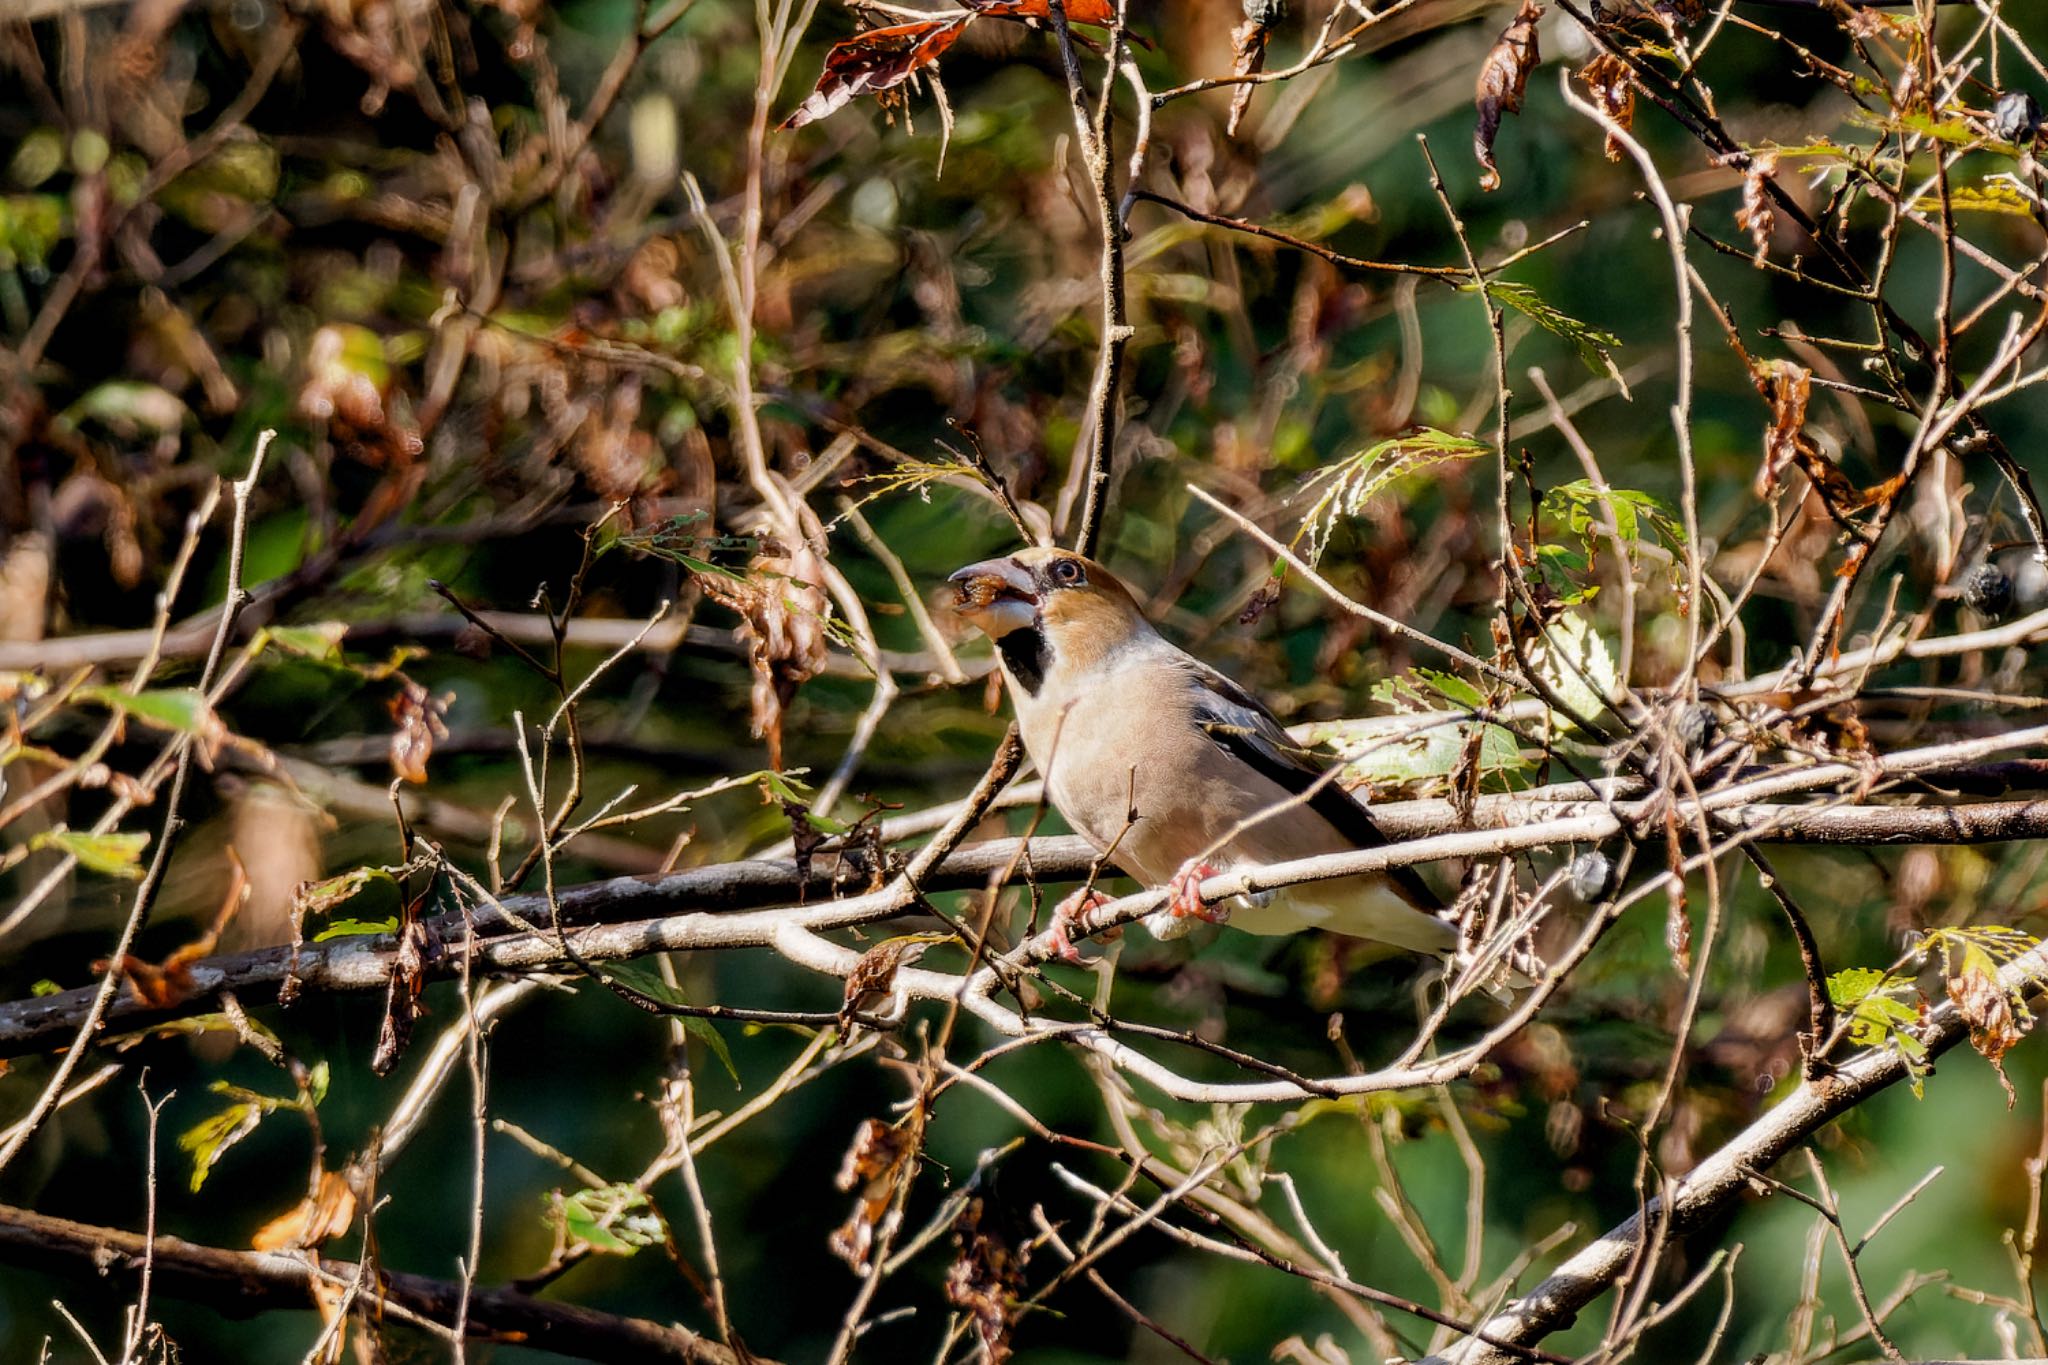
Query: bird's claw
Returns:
{"type": "Point", "coordinates": [1068, 916]}
{"type": "Point", "coordinates": [1184, 893]}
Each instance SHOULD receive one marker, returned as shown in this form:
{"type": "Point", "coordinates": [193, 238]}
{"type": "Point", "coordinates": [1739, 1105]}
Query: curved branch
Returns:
{"type": "Point", "coordinates": [245, 1282]}
{"type": "Point", "coordinates": [1721, 1178]}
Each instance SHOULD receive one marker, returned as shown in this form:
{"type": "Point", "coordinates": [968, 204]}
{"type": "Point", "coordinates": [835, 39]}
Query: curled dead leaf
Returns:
{"type": "Point", "coordinates": [881, 1156]}
{"type": "Point", "coordinates": [877, 60]}
{"type": "Point", "coordinates": [871, 985]}
{"type": "Point", "coordinates": [162, 985]}
{"type": "Point", "coordinates": [1787, 387]}
{"type": "Point", "coordinates": [417, 948]}
{"type": "Point", "coordinates": [1248, 53]}
{"type": "Point", "coordinates": [320, 1217]}
{"type": "Point", "coordinates": [1987, 1008]}
{"type": "Point", "coordinates": [1503, 79]}
{"type": "Point", "coordinates": [782, 622]}
{"type": "Point", "coordinates": [1757, 216]}
{"type": "Point", "coordinates": [1607, 78]}
{"type": "Point", "coordinates": [418, 719]}
{"type": "Point", "coordinates": [986, 1277]}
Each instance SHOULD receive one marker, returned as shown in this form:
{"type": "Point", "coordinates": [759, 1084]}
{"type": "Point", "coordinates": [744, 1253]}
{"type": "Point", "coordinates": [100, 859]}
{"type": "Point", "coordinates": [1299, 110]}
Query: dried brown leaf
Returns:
{"type": "Point", "coordinates": [1787, 387]}
{"type": "Point", "coordinates": [162, 985]}
{"type": "Point", "coordinates": [986, 1277]}
{"type": "Point", "coordinates": [1987, 1008]}
{"type": "Point", "coordinates": [880, 59]}
{"type": "Point", "coordinates": [1503, 79]}
{"type": "Point", "coordinates": [1248, 54]}
{"type": "Point", "coordinates": [417, 716]}
{"type": "Point", "coordinates": [417, 947]}
{"type": "Point", "coordinates": [320, 1217]}
{"type": "Point", "coordinates": [1607, 77]}
{"type": "Point", "coordinates": [872, 981]}
{"type": "Point", "coordinates": [881, 1155]}
{"type": "Point", "coordinates": [1757, 216]}
{"type": "Point", "coordinates": [782, 622]}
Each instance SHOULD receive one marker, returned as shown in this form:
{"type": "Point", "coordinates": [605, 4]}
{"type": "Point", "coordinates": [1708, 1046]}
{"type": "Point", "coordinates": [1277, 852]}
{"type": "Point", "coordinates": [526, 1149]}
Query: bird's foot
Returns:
{"type": "Point", "coordinates": [1069, 916]}
{"type": "Point", "coordinates": [1184, 893]}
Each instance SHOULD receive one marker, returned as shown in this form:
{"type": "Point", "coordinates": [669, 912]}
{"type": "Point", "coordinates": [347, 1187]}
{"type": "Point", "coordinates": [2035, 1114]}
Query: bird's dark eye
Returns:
{"type": "Point", "coordinates": [1066, 573]}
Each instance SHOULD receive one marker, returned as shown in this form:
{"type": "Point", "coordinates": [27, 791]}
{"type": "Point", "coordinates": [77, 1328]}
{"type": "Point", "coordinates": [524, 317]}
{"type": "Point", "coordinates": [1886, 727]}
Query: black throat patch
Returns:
{"type": "Point", "coordinates": [1027, 655]}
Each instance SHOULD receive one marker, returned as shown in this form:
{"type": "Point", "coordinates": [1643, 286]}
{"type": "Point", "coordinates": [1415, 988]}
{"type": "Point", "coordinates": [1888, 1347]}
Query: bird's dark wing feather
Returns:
{"type": "Point", "coordinates": [1241, 726]}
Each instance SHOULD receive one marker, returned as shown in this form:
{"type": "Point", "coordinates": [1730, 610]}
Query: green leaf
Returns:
{"type": "Point", "coordinates": [114, 854]}
{"type": "Point", "coordinates": [44, 987]}
{"type": "Point", "coordinates": [1350, 483]}
{"type": "Point", "coordinates": [130, 408]}
{"type": "Point", "coordinates": [357, 928]}
{"type": "Point", "coordinates": [1852, 985]}
{"type": "Point", "coordinates": [192, 1026]}
{"type": "Point", "coordinates": [316, 1082]}
{"type": "Point", "coordinates": [1391, 749]}
{"type": "Point", "coordinates": [170, 708]}
{"type": "Point", "coordinates": [614, 1219]}
{"type": "Point", "coordinates": [321, 643]}
{"type": "Point", "coordinates": [1877, 1016]}
{"type": "Point", "coordinates": [208, 1140]}
{"type": "Point", "coordinates": [1577, 664]}
{"type": "Point", "coordinates": [1596, 348]}
{"type": "Point", "coordinates": [1995, 195]}
{"type": "Point", "coordinates": [644, 982]}
{"type": "Point", "coordinates": [326, 896]}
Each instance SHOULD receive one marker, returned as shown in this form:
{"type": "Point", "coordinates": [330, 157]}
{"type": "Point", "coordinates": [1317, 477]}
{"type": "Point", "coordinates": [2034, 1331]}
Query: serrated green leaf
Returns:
{"type": "Point", "coordinates": [1352, 482]}
{"type": "Point", "coordinates": [1850, 986]}
{"type": "Point", "coordinates": [644, 982]}
{"type": "Point", "coordinates": [1595, 347]}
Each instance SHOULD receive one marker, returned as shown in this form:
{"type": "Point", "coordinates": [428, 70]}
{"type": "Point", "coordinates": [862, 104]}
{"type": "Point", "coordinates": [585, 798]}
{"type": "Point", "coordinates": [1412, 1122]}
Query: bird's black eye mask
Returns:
{"type": "Point", "coordinates": [1027, 654]}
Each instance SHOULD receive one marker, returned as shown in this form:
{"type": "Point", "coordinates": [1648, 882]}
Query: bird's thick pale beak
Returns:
{"type": "Point", "coordinates": [997, 595]}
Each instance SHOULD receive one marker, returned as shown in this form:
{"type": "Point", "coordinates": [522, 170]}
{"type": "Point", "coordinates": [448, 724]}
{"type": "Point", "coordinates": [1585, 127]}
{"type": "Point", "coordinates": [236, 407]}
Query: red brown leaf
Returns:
{"type": "Point", "coordinates": [986, 1277]}
{"type": "Point", "coordinates": [418, 719]}
{"type": "Point", "coordinates": [881, 1156]}
{"type": "Point", "coordinates": [1100, 13]}
{"type": "Point", "coordinates": [880, 59]}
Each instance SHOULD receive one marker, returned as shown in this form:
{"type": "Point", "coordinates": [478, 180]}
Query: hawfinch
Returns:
{"type": "Point", "coordinates": [1119, 722]}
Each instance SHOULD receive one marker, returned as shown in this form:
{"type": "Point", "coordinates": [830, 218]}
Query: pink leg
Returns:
{"type": "Point", "coordinates": [1068, 916]}
{"type": "Point", "coordinates": [1184, 893]}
